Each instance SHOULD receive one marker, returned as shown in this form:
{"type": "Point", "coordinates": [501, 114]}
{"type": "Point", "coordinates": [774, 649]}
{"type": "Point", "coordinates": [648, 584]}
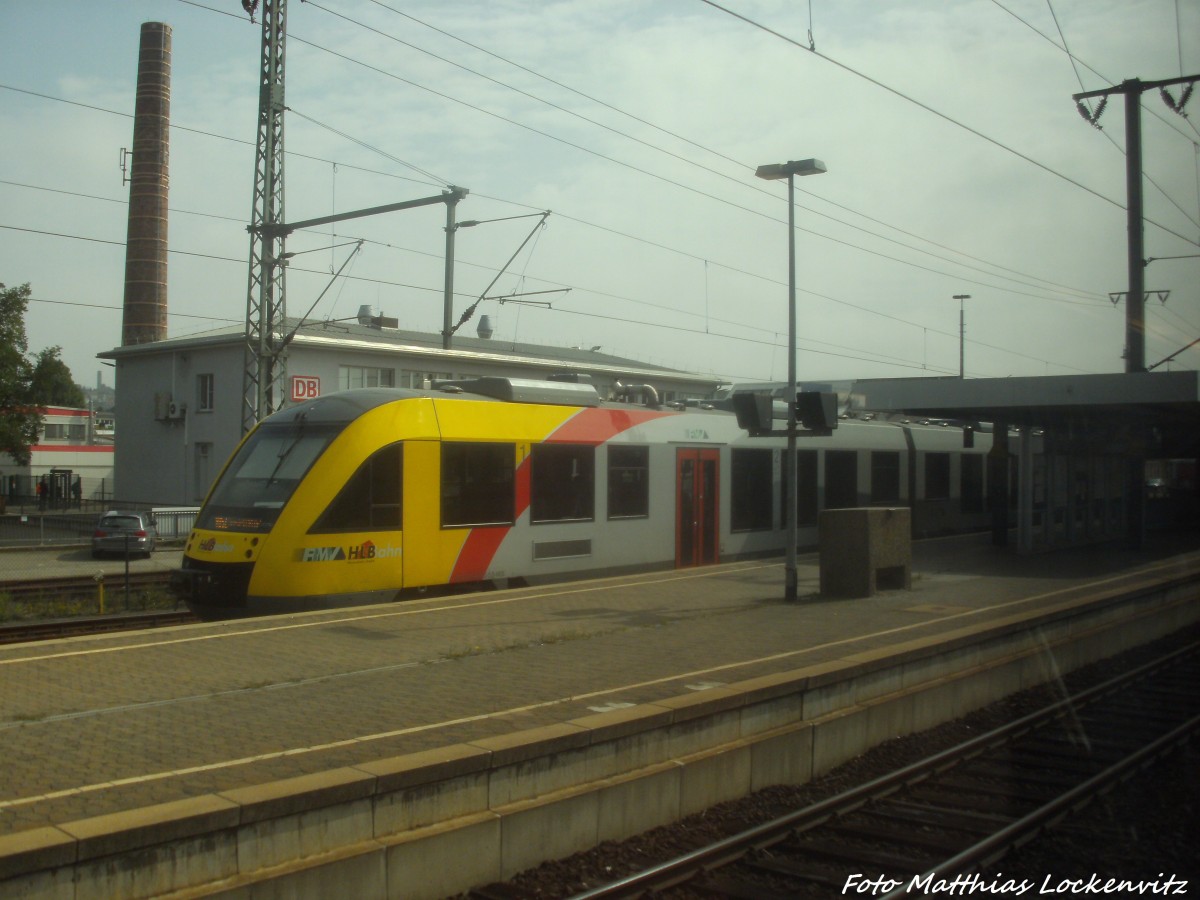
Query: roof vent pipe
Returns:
{"type": "Point", "coordinates": [625, 392]}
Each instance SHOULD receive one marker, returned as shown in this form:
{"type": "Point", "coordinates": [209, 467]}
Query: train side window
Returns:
{"type": "Point", "coordinates": [750, 490]}
{"type": "Point", "coordinates": [806, 476]}
{"type": "Point", "coordinates": [971, 487]}
{"type": "Point", "coordinates": [937, 476]}
{"type": "Point", "coordinates": [562, 483]}
{"type": "Point", "coordinates": [806, 481]}
{"type": "Point", "coordinates": [477, 484]}
{"type": "Point", "coordinates": [841, 479]}
{"type": "Point", "coordinates": [371, 499]}
{"type": "Point", "coordinates": [628, 482]}
{"type": "Point", "coordinates": [885, 476]}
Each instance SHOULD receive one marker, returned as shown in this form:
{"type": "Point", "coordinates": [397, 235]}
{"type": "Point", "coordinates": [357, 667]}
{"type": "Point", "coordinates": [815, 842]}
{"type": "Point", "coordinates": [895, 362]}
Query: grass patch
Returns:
{"type": "Point", "coordinates": [59, 605]}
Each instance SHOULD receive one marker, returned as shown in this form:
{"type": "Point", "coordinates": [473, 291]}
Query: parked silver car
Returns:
{"type": "Point", "coordinates": [121, 531]}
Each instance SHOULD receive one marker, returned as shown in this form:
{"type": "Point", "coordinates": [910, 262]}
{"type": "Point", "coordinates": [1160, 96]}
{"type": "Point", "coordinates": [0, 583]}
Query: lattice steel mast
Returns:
{"type": "Point", "coordinates": [265, 348]}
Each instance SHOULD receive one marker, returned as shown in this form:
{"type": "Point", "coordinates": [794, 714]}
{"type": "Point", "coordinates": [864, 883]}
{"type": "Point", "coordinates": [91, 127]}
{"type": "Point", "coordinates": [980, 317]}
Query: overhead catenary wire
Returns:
{"type": "Point", "coordinates": [674, 327]}
{"type": "Point", "coordinates": [739, 180]}
{"type": "Point", "coordinates": [582, 221]}
{"type": "Point", "coordinates": [1090, 295]}
{"type": "Point", "coordinates": [944, 116]}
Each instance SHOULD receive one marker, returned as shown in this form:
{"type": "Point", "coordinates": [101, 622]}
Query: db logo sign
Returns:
{"type": "Point", "coordinates": [305, 387]}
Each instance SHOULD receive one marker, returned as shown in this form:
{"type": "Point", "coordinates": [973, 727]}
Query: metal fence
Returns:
{"type": "Point", "coordinates": [59, 491]}
{"type": "Point", "coordinates": [71, 530]}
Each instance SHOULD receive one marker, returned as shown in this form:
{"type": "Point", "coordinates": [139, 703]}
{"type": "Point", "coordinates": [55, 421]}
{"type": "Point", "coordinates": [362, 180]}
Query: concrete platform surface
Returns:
{"type": "Point", "coordinates": [104, 725]}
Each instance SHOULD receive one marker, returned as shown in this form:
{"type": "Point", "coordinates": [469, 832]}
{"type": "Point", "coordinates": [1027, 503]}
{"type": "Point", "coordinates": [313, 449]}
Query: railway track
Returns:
{"type": "Point", "coordinates": [22, 632]}
{"type": "Point", "coordinates": [69, 606]}
{"type": "Point", "coordinates": [80, 585]}
{"type": "Point", "coordinates": [943, 821]}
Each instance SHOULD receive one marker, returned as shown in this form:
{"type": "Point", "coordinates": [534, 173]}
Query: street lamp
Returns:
{"type": "Point", "coordinates": [962, 332]}
{"type": "Point", "coordinates": [775, 172]}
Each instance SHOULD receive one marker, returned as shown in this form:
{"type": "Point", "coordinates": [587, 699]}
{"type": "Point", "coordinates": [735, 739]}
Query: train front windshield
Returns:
{"type": "Point", "coordinates": [262, 476]}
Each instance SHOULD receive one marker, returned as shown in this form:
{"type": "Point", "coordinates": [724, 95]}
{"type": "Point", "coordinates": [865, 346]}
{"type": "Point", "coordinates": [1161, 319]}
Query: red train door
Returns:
{"type": "Point", "coordinates": [696, 531]}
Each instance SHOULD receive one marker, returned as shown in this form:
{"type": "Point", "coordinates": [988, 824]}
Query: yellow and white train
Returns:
{"type": "Point", "coordinates": [363, 495]}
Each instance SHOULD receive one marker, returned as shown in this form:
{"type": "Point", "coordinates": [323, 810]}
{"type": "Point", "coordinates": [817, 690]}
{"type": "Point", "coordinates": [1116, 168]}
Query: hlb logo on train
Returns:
{"type": "Point", "coordinates": [364, 551]}
{"type": "Point", "coordinates": [305, 387]}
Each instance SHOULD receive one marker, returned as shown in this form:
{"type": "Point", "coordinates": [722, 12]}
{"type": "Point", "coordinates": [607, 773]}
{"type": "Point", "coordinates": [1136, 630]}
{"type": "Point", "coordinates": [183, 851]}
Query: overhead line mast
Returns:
{"type": "Point", "coordinates": [1135, 300]}
{"type": "Point", "coordinates": [265, 348]}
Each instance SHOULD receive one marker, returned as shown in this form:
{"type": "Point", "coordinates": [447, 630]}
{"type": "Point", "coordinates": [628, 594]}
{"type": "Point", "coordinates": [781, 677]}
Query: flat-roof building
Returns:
{"type": "Point", "coordinates": [180, 401]}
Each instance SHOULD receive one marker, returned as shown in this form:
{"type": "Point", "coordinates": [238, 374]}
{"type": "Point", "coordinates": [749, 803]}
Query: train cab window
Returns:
{"type": "Point", "coordinates": [371, 499]}
{"type": "Point", "coordinates": [477, 484]}
{"type": "Point", "coordinates": [885, 476]}
{"type": "Point", "coordinates": [937, 476]}
{"type": "Point", "coordinates": [841, 479]}
{"type": "Point", "coordinates": [750, 490]}
{"type": "Point", "coordinates": [264, 473]}
{"type": "Point", "coordinates": [628, 482]}
{"type": "Point", "coordinates": [562, 483]}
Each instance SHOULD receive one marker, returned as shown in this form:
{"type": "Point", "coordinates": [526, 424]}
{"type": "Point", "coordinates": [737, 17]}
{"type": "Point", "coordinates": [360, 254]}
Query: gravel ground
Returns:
{"type": "Point", "coordinates": [1147, 828]}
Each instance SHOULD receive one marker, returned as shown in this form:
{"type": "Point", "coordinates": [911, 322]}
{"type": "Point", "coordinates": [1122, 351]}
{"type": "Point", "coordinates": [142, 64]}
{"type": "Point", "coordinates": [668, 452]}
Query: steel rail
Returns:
{"type": "Point", "coordinates": [681, 869]}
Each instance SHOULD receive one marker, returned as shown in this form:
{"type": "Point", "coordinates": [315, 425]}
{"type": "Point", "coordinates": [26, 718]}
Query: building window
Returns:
{"type": "Point", "coordinates": [750, 495]}
{"type": "Point", "coordinates": [350, 377]}
{"type": "Point", "coordinates": [885, 476]}
{"type": "Point", "coordinates": [371, 499]}
{"type": "Point", "coordinates": [477, 484]}
{"type": "Point", "coordinates": [420, 380]}
{"type": "Point", "coordinates": [204, 393]}
{"type": "Point", "coordinates": [628, 482]}
{"type": "Point", "coordinates": [937, 476]}
{"type": "Point", "coordinates": [65, 432]}
{"type": "Point", "coordinates": [562, 483]}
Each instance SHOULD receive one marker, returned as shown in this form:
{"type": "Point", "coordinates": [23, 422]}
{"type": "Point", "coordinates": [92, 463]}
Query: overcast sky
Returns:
{"type": "Point", "coordinates": [957, 164]}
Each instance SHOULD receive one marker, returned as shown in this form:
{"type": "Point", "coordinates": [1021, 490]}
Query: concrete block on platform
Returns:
{"type": "Point", "coordinates": [864, 549]}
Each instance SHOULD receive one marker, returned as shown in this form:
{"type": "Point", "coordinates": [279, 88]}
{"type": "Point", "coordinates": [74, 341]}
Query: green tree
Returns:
{"type": "Point", "coordinates": [19, 420]}
{"type": "Point", "coordinates": [50, 381]}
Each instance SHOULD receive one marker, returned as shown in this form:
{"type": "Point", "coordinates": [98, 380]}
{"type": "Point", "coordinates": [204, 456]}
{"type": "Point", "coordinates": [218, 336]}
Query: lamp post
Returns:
{"type": "Point", "coordinates": [962, 332]}
{"type": "Point", "coordinates": [775, 172]}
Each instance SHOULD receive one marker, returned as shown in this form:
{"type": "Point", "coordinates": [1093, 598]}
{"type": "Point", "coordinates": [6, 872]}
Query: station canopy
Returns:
{"type": "Point", "coordinates": [1151, 414]}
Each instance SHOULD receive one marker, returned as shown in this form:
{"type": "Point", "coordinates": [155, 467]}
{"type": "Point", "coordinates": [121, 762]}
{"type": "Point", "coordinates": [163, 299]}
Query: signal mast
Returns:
{"type": "Point", "coordinates": [265, 348]}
